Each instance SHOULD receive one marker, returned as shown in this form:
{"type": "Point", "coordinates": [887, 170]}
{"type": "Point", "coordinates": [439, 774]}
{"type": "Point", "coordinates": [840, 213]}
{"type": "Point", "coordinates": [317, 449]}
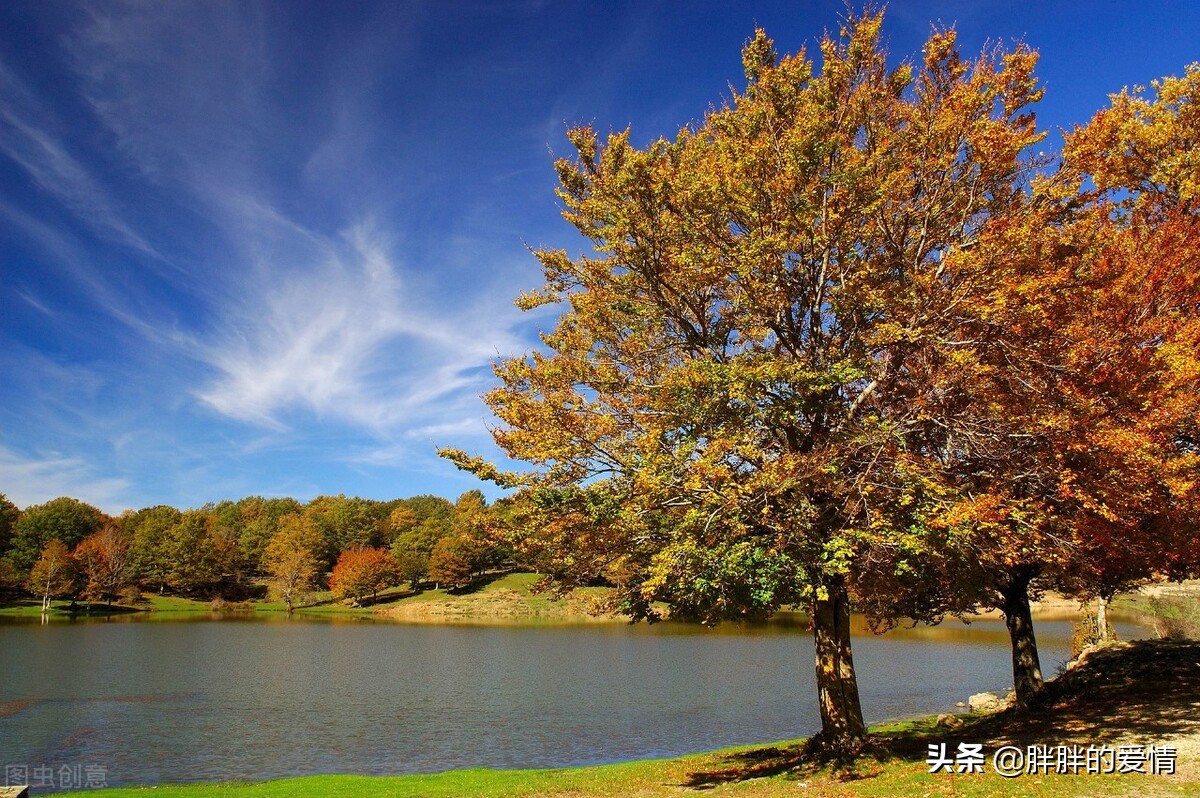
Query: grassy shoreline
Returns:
{"type": "Point", "coordinates": [502, 600]}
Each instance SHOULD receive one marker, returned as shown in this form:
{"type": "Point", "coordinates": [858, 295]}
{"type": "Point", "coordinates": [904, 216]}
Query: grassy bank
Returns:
{"type": "Point", "coordinates": [1136, 694]}
{"type": "Point", "coordinates": [498, 599]}
{"type": "Point", "coordinates": [504, 599]}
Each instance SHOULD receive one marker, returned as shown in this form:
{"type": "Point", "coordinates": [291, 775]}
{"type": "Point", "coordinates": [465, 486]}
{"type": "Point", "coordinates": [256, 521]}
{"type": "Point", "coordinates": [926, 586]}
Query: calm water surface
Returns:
{"type": "Point", "coordinates": [219, 700]}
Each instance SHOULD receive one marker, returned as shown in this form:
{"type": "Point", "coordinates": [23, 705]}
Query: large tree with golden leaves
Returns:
{"type": "Point", "coordinates": [720, 414]}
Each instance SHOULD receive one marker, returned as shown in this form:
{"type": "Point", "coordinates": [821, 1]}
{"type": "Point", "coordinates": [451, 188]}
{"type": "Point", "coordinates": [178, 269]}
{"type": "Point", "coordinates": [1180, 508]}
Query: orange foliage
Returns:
{"type": "Point", "coordinates": [361, 571]}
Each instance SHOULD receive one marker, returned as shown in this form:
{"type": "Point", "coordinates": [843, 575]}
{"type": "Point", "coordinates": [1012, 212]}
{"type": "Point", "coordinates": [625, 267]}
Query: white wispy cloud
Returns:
{"type": "Point", "coordinates": [26, 138]}
{"type": "Point", "coordinates": [34, 479]}
{"type": "Point", "coordinates": [347, 339]}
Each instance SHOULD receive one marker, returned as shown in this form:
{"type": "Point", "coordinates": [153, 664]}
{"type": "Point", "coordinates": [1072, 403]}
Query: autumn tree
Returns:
{"type": "Point", "coordinates": [1141, 155]}
{"type": "Point", "coordinates": [9, 513]}
{"type": "Point", "coordinates": [148, 529]}
{"type": "Point", "coordinates": [1133, 479]}
{"type": "Point", "coordinates": [227, 525]}
{"type": "Point", "coordinates": [1066, 418]}
{"type": "Point", "coordinates": [421, 538]}
{"type": "Point", "coordinates": [1142, 148]}
{"type": "Point", "coordinates": [53, 574]}
{"type": "Point", "coordinates": [454, 561]}
{"type": "Point", "coordinates": [292, 558]}
{"type": "Point", "coordinates": [105, 563]}
{"type": "Point", "coordinates": [196, 559]}
{"type": "Point", "coordinates": [399, 521]}
{"type": "Point", "coordinates": [67, 519]}
{"type": "Point", "coordinates": [722, 404]}
{"type": "Point", "coordinates": [345, 522]}
{"type": "Point", "coordinates": [260, 521]}
{"type": "Point", "coordinates": [362, 571]}
{"type": "Point", "coordinates": [412, 566]}
{"type": "Point", "coordinates": [475, 533]}
{"type": "Point", "coordinates": [417, 524]}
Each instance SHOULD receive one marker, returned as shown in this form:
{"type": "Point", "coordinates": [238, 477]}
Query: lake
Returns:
{"type": "Point", "coordinates": [252, 698]}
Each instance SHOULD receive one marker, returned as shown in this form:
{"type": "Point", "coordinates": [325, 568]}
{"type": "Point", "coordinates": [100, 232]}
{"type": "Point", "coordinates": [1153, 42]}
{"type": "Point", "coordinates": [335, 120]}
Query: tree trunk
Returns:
{"type": "Point", "coordinates": [1027, 671]}
{"type": "Point", "coordinates": [1102, 629]}
{"type": "Point", "coordinates": [837, 686]}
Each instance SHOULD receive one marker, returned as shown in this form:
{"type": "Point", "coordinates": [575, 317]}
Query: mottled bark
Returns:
{"type": "Point", "coordinates": [1027, 670]}
{"type": "Point", "coordinates": [837, 686]}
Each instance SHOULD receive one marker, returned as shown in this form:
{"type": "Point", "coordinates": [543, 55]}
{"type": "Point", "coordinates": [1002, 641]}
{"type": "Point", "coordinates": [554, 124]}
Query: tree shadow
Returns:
{"type": "Point", "coordinates": [1148, 689]}
{"type": "Point", "coordinates": [745, 765]}
{"type": "Point", "coordinates": [18, 603]}
{"type": "Point", "coordinates": [100, 610]}
{"type": "Point", "coordinates": [477, 584]}
{"type": "Point", "coordinates": [385, 596]}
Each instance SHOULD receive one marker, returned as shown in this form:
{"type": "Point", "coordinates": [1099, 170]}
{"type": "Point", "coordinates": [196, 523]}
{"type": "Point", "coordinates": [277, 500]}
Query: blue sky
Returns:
{"type": "Point", "coordinates": [271, 248]}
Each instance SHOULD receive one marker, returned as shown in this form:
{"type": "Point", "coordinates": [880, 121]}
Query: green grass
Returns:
{"type": "Point", "coordinates": [164, 607]}
{"type": "Point", "coordinates": [32, 608]}
{"type": "Point", "coordinates": [519, 582]}
{"type": "Point", "coordinates": [59, 610]}
{"type": "Point", "coordinates": [159, 603]}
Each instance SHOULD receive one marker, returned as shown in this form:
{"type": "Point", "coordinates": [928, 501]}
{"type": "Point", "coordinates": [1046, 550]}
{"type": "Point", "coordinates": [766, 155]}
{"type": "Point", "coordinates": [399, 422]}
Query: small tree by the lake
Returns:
{"type": "Point", "coordinates": [292, 560]}
{"type": "Point", "coordinates": [54, 574]}
{"type": "Point", "coordinates": [104, 561]}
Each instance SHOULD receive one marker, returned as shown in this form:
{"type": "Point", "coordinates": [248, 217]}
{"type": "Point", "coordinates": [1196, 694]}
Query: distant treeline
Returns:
{"type": "Point", "coordinates": [67, 548]}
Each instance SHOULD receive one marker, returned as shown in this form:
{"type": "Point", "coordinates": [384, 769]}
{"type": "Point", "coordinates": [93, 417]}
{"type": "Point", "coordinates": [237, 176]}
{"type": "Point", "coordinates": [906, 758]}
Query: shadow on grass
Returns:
{"type": "Point", "coordinates": [33, 608]}
{"type": "Point", "coordinates": [386, 596]}
{"type": "Point", "coordinates": [99, 610]}
{"type": "Point", "coordinates": [1149, 689]}
{"type": "Point", "coordinates": [478, 583]}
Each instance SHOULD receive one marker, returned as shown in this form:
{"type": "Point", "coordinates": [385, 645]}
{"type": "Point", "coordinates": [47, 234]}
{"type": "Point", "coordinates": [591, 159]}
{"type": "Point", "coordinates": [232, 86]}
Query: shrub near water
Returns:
{"type": "Point", "coordinates": [1176, 616]}
{"type": "Point", "coordinates": [1086, 633]}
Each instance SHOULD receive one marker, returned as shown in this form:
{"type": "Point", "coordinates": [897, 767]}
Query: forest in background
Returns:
{"type": "Point", "coordinates": [68, 549]}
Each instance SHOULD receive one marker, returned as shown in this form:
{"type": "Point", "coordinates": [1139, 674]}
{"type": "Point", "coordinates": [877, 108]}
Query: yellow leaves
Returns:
{"type": "Point", "coordinates": [584, 140]}
{"type": "Point", "coordinates": [758, 55]}
{"type": "Point", "coordinates": [836, 308]}
{"type": "Point", "coordinates": [941, 56]}
{"type": "Point", "coordinates": [1146, 141]}
{"type": "Point", "coordinates": [530, 300]}
{"type": "Point", "coordinates": [864, 38]}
